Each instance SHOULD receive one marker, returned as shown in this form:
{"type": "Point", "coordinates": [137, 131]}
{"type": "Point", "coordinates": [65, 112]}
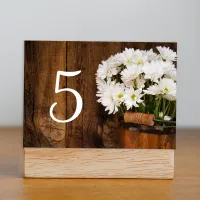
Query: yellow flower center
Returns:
{"type": "Point", "coordinates": [129, 61]}
{"type": "Point", "coordinates": [140, 62]}
{"type": "Point", "coordinates": [166, 90]}
{"type": "Point", "coordinates": [120, 96]}
{"type": "Point", "coordinates": [133, 97]}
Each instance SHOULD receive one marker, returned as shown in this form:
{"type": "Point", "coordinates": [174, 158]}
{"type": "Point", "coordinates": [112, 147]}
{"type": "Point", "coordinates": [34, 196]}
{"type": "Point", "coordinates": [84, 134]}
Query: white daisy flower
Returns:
{"type": "Point", "coordinates": [167, 66]}
{"type": "Point", "coordinates": [109, 103]}
{"type": "Point", "coordinates": [103, 86]}
{"type": "Point", "coordinates": [153, 71]}
{"type": "Point", "coordinates": [139, 57]}
{"type": "Point", "coordinates": [132, 97]}
{"type": "Point", "coordinates": [116, 60]}
{"type": "Point", "coordinates": [151, 55]}
{"type": "Point", "coordinates": [139, 82]}
{"type": "Point", "coordinates": [99, 81]}
{"type": "Point", "coordinates": [111, 96]}
{"type": "Point", "coordinates": [129, 74]}
{"type": "Point", "coordinates": [171, 74]}
{"type": "Point", "coordinates": [127, 56]}
{"type": "Point", "coordinates": [167, 54]}
{"type": "Point", "coordinates": [118, 93]}
{"type": "Point", "coordinates": [153, 90]}
{"type": "Point", "coordinates": [168, 89]}
{"type": "Point", "coordinates": [106, 70]}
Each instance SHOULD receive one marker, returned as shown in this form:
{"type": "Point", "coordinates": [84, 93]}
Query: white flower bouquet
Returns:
{"type": "Point", "coordinates": [139, 81]}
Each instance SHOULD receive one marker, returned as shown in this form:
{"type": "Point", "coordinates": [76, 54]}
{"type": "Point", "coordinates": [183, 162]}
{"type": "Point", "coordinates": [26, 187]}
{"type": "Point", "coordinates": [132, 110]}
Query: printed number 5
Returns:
{"type": "Point", "coordinates": [79, 102]}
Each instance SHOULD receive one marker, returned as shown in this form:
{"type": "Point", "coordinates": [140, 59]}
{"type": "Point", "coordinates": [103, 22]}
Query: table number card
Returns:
{"type": "Point", "coordinates": [99, 109]}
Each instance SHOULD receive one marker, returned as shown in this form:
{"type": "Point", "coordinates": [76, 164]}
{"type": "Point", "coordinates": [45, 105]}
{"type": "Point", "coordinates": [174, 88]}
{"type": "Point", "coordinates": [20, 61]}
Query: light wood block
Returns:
{"type": "Point", "coordinates": [98, 163]}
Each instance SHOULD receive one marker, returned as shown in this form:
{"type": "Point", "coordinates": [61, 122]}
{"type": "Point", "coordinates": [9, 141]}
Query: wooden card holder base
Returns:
{"type": "Point", "coordinates": [98, 163]}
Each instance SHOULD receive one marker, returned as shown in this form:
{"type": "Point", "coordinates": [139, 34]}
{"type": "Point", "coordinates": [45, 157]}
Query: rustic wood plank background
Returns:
{"type": "Point", "coordinates": [42, 61]}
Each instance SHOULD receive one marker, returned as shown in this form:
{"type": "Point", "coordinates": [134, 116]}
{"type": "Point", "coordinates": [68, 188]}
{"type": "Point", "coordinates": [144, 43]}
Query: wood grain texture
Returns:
{"type": "Point", "coordinates": [184, 186]}
{"type": "Point", "coordinates": [42, 61]}
{"type": "Point", "coordinates": [136, 140]}
{"type": "Point", "coordinates": [92, 128]}
{"type": "Point", "coordinates": [99, 163]}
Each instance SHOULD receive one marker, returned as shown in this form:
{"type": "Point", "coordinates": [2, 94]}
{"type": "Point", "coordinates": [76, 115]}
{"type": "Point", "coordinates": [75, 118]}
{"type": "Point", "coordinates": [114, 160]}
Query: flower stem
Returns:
{"type": "Point", "coordinates": [167, 108]}
{"type": "Point", "coordinates": [174, 111]}
{"type": "Point", "coordinates": [157, 107]}
{"type": "Point", "coordinates": [163, 108]}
